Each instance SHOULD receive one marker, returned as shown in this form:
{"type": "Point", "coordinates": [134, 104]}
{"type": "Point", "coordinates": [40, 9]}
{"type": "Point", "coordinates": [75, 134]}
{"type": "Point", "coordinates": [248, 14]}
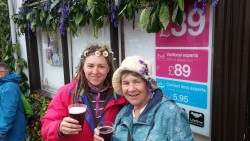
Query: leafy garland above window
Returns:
{"type": "Point", "coordinates": [72, 15]}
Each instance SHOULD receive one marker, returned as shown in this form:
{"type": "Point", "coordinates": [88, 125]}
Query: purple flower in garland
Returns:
{"type": "Point", "coordinates": [144, 72]}
{"type": "Point", "coordinates": [42, 6]}
{"type": "Point", "coordinates": [28, 24]}
{"type": "Point", "coordinates": [150, 89]}
{"type": "Point", "coordinates": [215, 2]}
{"type": "Point", "coordinates": [65, 9]}
{"type": "Point", "coordinates": [48, 39]}
{"type": "Point", "coordinates": [47, 6]}
{"type": "Point", "coordinates": [114, 13]}
{"type": "Point", "coordinates": [196, 6]}
{"type": "Point", "coordinates": [203, 7]}
{"type": "Point", "coordinates": [29, 27]}
{"type": "Point", "coordinates": [21, 10]}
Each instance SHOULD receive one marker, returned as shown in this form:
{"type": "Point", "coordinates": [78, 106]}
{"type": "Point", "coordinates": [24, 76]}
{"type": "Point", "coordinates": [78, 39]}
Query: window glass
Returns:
{"type": "Point", "coordinates": [50, 57]}
{"type": "Point", "coordinates": [139, 42]}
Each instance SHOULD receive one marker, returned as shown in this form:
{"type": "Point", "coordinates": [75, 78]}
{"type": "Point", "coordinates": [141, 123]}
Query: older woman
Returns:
{"type": "Point", "coordinates": [150, 114]}
{"type": "Point", "coordinates": [91, 87]}
{"type": "Point", "coordinates": [12, 117]}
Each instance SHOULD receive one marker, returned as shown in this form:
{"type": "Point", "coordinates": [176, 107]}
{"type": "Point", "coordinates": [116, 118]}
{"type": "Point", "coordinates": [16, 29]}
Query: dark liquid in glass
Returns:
{"type": "Point", "coordinates": [106, 133]}
{"type": "Point", "coordinates": [80, 117]}
{"type": "Point", "coordinates": [77, 114]}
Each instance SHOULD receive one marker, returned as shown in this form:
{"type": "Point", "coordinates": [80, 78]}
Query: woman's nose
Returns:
{"type": "Point", "coordinates": [95, 70]}
{"type": "Point", "coordinates": [131, 87]}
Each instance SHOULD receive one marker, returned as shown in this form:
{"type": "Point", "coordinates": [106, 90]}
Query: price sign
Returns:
{"type": "Point", "coordinates": [182, 64]}
{"type": "Point", "coordinates": [185, 93]}
{"type": "Point", "coordinates": [194, 31]}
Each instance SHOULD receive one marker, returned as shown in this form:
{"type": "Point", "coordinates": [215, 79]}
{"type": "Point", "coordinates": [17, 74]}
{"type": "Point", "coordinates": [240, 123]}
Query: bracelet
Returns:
{"type": "Point", "coordinates": [60, 134]}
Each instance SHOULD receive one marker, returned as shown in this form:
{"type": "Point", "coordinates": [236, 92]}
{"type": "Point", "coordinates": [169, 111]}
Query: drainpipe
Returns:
{"type": "Point", "coordinates": [12, 24]}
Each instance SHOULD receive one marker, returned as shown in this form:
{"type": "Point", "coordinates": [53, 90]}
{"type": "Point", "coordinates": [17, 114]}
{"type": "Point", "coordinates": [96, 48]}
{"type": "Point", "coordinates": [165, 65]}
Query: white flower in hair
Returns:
{"type": "Point", "coordinates": [105, 53]}
{"type": "Point", "coordinates": [97, 53]}
{"type": "Point", "coordinates": [85, 53]}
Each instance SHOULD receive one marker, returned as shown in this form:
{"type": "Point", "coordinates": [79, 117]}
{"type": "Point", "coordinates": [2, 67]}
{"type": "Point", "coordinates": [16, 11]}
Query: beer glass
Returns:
{"type": "Point", "coordinates": [106, 130]}
{"type": "Point", "coordinates": [77, 111]}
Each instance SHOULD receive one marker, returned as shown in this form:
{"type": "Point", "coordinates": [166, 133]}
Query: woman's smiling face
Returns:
{"type": "Point", "coordinates": [134, 88]}
{"type": "Point", "coordinates": [96, 69]}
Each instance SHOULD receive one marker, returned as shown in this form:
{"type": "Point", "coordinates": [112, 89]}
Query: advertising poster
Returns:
{"type": "Point", "coordinates": [183, 65]}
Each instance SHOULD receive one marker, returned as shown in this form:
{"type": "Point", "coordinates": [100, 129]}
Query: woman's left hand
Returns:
{"type": "Point", "coordinates": [96, 135]}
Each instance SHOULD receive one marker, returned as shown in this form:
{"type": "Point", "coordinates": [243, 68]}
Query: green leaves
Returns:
{"type": "Point", "coordinates": [181, 4]}
{"type": "Point", "coordinates": [90, 4]}
{"type": "Point", "coordinates": [144, 19]}
{"type": "Point", "coordinates": [130, 15]}
{"type": "Point", "coordinates": [54, 4]}
{"type": "Point", "coordinates": [78, 18]}
{"type": "Point", "coordinates": [177, 17]}
{"type": "Point", "coordinates": [164, 15]}
{"type": "Point", "coordinates": [158, 18]}
{"type": "Point", "coordinates": [154, 22]}
{"type": "Point", "coordinates": [154, 16]}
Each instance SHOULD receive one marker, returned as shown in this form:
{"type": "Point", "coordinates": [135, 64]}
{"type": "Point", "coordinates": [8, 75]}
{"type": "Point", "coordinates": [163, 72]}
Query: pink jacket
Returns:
{"type": "Point", "coordinates": [57, 110]}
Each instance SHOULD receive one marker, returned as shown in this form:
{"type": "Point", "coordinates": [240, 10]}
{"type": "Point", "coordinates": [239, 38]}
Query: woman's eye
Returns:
{"type": "Point", "coordinates": [125, 83]}
{"type": "Point", "coordinates": [137, 82]}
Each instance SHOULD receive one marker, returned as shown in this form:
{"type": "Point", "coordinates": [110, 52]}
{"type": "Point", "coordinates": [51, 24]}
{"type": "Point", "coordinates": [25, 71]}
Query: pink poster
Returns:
{"type": "Point", "coordinates": [191, 65]}
{"type": "Point", "coordinates": [194, 31]}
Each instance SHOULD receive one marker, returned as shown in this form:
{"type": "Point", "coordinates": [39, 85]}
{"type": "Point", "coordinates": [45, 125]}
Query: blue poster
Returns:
{"type": "Point", "coordinates": [185, 92]}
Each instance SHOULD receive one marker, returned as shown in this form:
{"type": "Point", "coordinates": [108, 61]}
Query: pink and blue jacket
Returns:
{"type": "Point", "coordinates": [57, 110]}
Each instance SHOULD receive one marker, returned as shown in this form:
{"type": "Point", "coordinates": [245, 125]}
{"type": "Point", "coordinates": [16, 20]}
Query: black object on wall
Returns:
{"type": "Point", "coordinates": [33, 61]}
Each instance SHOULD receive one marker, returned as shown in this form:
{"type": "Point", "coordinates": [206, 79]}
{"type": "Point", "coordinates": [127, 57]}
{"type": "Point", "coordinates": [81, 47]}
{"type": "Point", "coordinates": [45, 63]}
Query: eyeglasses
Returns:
{"type": "Point", "coordinates": [3, 71]}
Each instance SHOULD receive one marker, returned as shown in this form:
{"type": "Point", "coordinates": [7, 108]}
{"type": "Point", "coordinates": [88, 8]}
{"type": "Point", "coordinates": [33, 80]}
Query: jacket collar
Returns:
{"type": "Point", "coordinates": [145, 117]}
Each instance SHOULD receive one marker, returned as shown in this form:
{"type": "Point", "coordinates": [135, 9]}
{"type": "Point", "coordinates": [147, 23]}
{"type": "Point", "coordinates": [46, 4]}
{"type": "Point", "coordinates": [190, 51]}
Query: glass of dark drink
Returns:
{"type": "Point", "coordinates": [77, 111]}
{"type": "Point", "coordinates": [106, 130]}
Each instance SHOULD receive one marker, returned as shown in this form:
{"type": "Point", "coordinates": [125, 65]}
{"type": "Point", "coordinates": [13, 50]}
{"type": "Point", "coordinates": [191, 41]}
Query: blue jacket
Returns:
{"type": "Point", "coordinates": [161, 120]}
{"type": "Point", "coordinates": [12, 118]}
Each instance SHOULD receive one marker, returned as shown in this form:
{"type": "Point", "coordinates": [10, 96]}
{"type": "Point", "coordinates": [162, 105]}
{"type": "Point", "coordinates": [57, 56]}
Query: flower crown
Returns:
{"type": "Point", "coordinates": [104, 53]}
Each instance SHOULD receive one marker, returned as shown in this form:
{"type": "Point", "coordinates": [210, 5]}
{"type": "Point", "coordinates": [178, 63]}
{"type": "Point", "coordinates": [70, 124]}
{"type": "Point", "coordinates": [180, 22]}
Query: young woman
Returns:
{"type": "Point", "coordinates": [150, 114]}
{"type": "Point", "coordinates": [91, 87]}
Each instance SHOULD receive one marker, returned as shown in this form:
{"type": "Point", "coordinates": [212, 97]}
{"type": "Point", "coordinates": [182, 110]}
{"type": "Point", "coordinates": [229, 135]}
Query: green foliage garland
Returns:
{"type": "Point", "coordinates": [71, 15]}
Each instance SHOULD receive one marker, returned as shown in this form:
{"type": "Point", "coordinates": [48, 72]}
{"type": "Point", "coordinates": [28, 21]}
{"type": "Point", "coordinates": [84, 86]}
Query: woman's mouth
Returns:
{"type": "Point", "coordinates": [134, 95]}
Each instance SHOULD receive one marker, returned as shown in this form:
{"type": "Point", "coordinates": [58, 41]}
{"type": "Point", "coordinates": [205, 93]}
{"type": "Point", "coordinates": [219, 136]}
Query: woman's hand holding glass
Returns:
{"type": "Point", "coordinates": [70, 126]}
{"type": "Point", "coordinates": [97, 135]}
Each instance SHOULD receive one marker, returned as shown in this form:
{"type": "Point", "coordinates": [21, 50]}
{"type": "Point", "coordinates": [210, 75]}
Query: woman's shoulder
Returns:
{"type": "Point", "coordinates": [69, 88]}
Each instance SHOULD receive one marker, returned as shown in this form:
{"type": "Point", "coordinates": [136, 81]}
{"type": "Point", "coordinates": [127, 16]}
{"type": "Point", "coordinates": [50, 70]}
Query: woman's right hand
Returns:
{"type": "Point", "coordinates": [69, 126]}
{"type": "Point", "coordinates": [96, 135]}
